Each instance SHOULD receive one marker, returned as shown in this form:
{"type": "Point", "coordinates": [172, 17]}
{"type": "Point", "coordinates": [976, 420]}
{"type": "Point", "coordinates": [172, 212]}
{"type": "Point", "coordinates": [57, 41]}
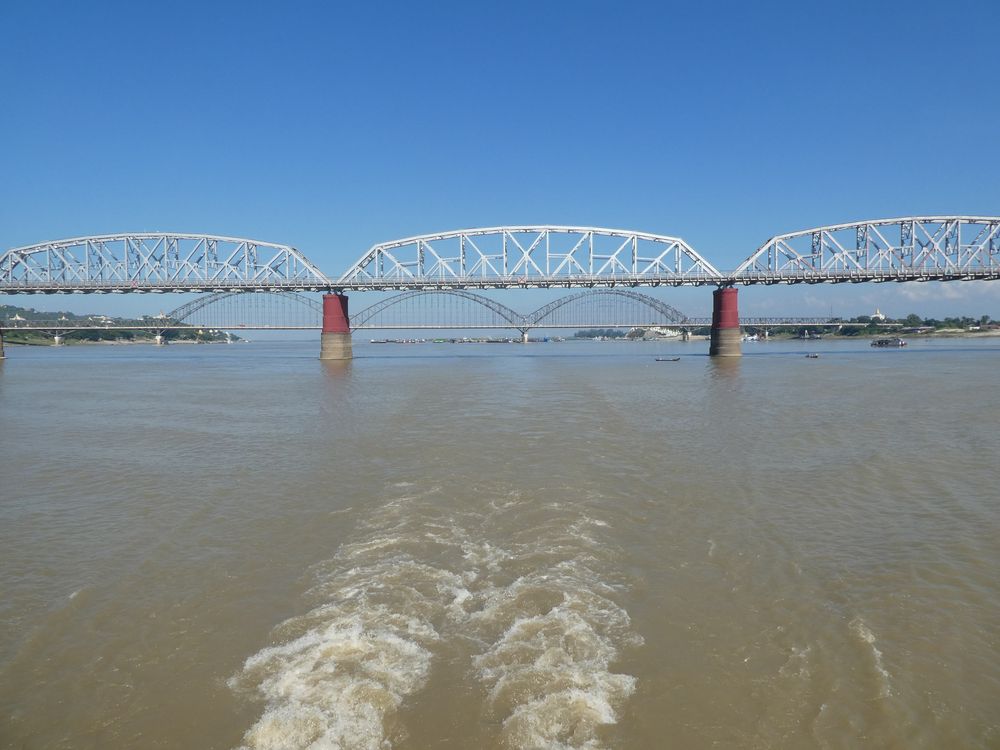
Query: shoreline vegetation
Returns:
{"type": "Point", "coordinates": [861, 327]}
{"type": "Point", "coordinates": [102, 329]}
{"type": "Point", "coordinates": [817, 335]}
{"type": "Point", "coordinates": [67, 341]}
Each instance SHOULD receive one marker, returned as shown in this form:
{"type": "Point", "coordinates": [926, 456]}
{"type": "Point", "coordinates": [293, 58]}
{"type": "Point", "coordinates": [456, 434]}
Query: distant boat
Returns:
{"type": "Point", "coordinates": [812, 356]}
{"type": "Point", "coordinates": [885, 343]}
{"type": "Point", "coordinates": [668, 359]}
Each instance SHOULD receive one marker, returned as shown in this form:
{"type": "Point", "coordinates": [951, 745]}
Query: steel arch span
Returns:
{"type": "Point", "coordinates": [454, 309]}
{"type": "Point", "coordinates": [530, 256]}
{"type": "Point", "coordinates": [438, 309]}
{"type": "Point", "coordinates": [606, 308]}
{"type": "Point", "coordinates": [912, 248]}
{"type": "Point", "coordinates": [259, 310]}
{"type": "Point", "coordinates": [157, 262]}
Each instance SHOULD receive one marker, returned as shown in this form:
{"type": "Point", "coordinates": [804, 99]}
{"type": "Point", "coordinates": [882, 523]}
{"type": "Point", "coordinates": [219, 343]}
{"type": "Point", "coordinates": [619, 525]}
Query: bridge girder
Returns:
{"type": "Point", "coordinates": [914, 248]}
{"type": "Point", "coordinates": [156, 261]}
{"type": "Point", "coordinates": [911, 248]}
{"type": "Point", "coordinates": [536, 256]}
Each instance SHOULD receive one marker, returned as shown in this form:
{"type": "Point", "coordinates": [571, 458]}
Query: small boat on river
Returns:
{"type": "Point", "coordinates": [668, 359]}
{"type": "Point", "coordinates": [888, 343]}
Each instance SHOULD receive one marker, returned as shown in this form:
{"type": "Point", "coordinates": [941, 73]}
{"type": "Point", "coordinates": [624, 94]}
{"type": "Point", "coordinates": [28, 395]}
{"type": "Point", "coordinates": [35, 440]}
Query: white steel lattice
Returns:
{"type": "Point", "coordinates": [156, 262]}
{"type": "Point", "coordinates": [529, 256]}
{"type": "Point", "coordinates": [927, 248]}
{"type": "Point", "coordinates": [914, 248]}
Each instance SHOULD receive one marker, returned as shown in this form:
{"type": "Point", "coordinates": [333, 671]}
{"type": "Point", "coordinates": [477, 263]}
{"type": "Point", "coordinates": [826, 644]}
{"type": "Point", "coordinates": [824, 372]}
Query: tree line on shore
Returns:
{"type": "Point", "coordinates": [913, 323]}
{"type": "Point", "coordinates": [11, 316]}
{"type": "Point", "coordinates": [861, 325]}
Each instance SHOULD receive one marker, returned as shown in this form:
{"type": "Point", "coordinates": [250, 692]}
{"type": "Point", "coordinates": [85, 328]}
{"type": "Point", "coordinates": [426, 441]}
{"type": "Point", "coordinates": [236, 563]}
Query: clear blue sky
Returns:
{"type": "Point", "coordinates": [332, 126]}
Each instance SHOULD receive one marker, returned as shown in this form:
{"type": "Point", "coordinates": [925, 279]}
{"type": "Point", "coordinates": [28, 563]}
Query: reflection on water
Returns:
{"type": "Point", "coordinates": [558, 546]}
{"type": "Point", "coordinates": [725, 367]}
{"type": "Point", "coordinates": [336, 369]}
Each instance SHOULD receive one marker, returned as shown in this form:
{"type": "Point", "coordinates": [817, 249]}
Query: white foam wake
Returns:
{"type": "Point", "coordinates": [345, 668]}
{"type": "Point", "coordinates": [865, 634]}
{"type": "Point", "coordinates": [549, 673]}
{"type": "Point", "coordinates": [537, 618]}
{"type": "Point", "coordinates": [550, 676]}
{"type": "Point", "coordinates": [335, 686]}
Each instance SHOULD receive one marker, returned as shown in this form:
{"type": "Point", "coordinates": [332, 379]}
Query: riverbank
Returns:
{"type": "Point", "coordinates": [82, 342]}
{"type": "Point", "coordinates": [944, 333]}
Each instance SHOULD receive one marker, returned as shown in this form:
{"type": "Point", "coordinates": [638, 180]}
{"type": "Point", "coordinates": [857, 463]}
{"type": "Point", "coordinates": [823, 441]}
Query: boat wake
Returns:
{"type": "Point", "coordinates": [534, 615]}
{"type": "Point", "coordinates": [864, 633]}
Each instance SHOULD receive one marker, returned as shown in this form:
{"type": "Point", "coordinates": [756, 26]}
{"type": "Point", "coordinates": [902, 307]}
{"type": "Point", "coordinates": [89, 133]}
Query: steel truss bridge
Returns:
{"type": "Point", "coordinates": [413, 310]}
{"type": "Point", "coordinates": [914, 248]}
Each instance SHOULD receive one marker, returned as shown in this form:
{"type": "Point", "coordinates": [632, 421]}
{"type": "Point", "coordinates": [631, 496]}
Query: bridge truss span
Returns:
{"type": "Point", "coordinates": [529, 256]}
{"type": "Point", "coordinates": [156, 262]}
{"type": "Point", "coordinates": [913, 248]}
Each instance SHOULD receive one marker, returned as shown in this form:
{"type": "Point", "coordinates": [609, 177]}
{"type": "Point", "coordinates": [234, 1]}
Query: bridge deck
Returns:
{"type": "Point", "coordinates": [583, 282]}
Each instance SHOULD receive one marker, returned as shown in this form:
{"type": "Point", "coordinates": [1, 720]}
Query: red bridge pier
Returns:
{"type": "Point", "coordinates": [725, 340]}
{"type": "Point", "coordinates": [335, 340]}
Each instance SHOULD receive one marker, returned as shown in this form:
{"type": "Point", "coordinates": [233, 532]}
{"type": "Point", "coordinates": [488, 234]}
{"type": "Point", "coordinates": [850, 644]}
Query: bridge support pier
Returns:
{"type": "Point", "coordinates": [1, 344]}
{"type": "Point", "coordinates": [160, 341]}
{"type": "Point", "coordinates": [335, 340]}
{"type": "Point", "coordinates": [524, 337]}
{"type": "Point", "coordinates": [57, 340]}
{"type": "Point", "coordinates": [725, 339]}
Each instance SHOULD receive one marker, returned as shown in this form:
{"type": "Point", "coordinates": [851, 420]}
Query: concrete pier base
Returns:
{"type": "Point", "coordinates": [335, 340]}
{"type": "Point", "coordinates": [335, 346]}
{"type": "Point", "coordinates": [160, 341]}
{"type": "Point", "coordinates": [725, 343]}
{"type": "Point", "coordinates": [725, 339]}
{"type": "Point", "coordinates": [524, 337]}
{"type": "Point", "coordinates": [57, 340]}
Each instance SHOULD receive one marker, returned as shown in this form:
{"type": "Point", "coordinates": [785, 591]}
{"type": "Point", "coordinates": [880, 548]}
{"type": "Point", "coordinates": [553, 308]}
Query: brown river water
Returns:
{"type": "Point", "coordinates": [565, 545]}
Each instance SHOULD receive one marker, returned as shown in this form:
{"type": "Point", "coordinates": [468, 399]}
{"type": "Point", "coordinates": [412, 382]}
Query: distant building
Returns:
{"type": "Point", "coordinates": [656, 332]}
{"type": "Point", "coordinates": [877, 315]}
